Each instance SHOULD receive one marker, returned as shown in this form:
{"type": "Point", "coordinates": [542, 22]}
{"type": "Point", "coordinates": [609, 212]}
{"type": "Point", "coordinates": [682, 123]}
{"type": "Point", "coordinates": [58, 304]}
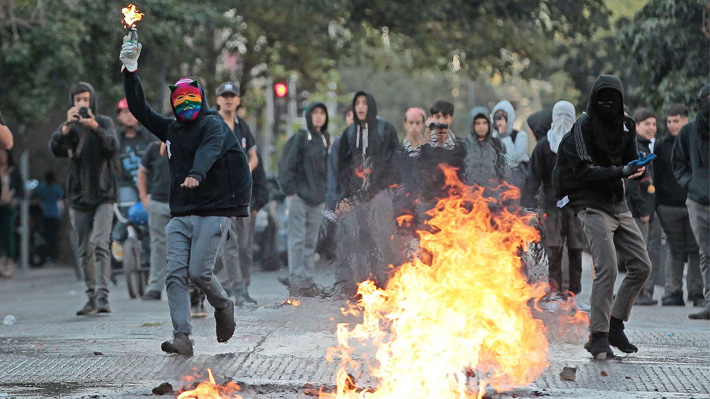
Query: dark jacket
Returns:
{"type": "Point", "coordinates": [205, 149]}
{"type": "Point", "coordinates": [641, 202]}
{"type": "Point", "coordinates": [691, 162]}
{"type": "Point", "coordinates": [485, 164]}
{"type": "Point", "coordinates": [585, 173]}
{"type": "Point", "coordinates": [381, 149]}
{"type": "Point", "coordinates": [93, 179]}
{"type": "Point", "coordinates": [542, 163]}
{"type": "Point", "coordinates": [303, 168]}
{"type": "Point", "coordinates": [130, 152]}
{"type": "Point", "coordinates": [431, 177]}
{"type": "Point", "coordinates": [668, 191]}
{"type": "Point", "coordinates": [260, 186]}
{"type": "Point", "coordinates": [540, 123]}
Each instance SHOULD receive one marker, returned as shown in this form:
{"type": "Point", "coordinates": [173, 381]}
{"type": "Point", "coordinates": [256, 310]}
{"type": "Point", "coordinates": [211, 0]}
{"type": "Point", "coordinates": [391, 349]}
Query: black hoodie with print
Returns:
{"type": "Point", "coordinates": [365, 161]}
{"type": "Point", "coordinates": [205, 149]}
{"type": "Point", "coordinates": [586, 170]}
{"type": "Point", "coordinates": [95, 170]}
{"type": "Point", "coordinates": [303, 167]}
{"type": "Point", "coordinates": [691, 153]}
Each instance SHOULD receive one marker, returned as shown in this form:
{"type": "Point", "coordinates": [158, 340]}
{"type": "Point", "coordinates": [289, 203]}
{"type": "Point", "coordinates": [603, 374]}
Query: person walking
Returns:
{"type": "Point", "coordinates": [50, 194]}
{"type": "Point", "coordinates": [691, 166]}
{"type": "Point", "coordinates": [209, 183]}
{"type": "Point", "coordinates": [90, 142]}
{"type": "Point", "coordinates": [11, 191]}
{"type": "Point", "coordinates": [592, 160]}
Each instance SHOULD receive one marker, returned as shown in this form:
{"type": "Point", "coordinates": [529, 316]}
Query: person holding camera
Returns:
{"type": "Point", "coordinates": [89, 141]}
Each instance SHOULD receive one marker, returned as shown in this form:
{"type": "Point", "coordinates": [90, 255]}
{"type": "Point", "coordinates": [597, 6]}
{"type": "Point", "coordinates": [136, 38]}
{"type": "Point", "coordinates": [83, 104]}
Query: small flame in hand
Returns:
{"type": "Point", "coordinates": [131, 15]}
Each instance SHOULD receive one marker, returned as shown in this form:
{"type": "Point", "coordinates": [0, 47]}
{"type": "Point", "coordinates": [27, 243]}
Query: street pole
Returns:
{"type": "Point", "coordinates": [291, 104]}
{"type": "Point", "coordinates": [331, 99]}
{"type": "Point", "coordinates": [25, 212]}
{"type": "Point", "coordinates": [268, 125]}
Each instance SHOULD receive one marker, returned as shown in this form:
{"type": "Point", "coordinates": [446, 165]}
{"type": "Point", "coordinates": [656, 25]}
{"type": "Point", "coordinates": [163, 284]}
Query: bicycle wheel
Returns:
{"type": "Point", "coordinates": [131, 265]}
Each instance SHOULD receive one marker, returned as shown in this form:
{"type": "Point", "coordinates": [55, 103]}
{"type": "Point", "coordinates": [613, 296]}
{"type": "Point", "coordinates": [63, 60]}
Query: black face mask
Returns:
{"type": "Point", "coordinates": [609, 103]}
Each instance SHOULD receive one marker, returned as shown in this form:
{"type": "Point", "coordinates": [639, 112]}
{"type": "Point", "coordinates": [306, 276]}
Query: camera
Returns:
{"type": "Point", "coordinates": [84, 112]}
{"type": "Point", "coordinates": [438, 125]}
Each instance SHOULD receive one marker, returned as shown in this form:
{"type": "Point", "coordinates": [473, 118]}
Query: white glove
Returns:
{"type": "Point", "coordinates": [129, 54]}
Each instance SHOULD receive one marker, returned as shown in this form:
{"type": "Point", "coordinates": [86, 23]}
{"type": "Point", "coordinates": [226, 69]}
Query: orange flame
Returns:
{"type": "Point", "coordinates": [210, 390]}
{"type": "Point", "coordinates": [292, 302]}
{"type": "Point", "coordinates": [450, 329]}
{"type": "Point", "coordinates": [361, 173]}
{"type": "Point", "coordinates": [131, 15]}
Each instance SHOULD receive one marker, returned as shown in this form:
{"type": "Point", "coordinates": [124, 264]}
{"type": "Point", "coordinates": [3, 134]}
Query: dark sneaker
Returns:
{"type": "Point", "coordinates": [284, 280]}
{"type": "Point", "coordinates": [102, 305]}
{"type": "Point", "coordinates": [618, 339]}
{"type": "Point", "coordinates": [248, 299]}
{"type": "Point", "coordinates": [224, 322]}
{"type": "Point", "coordinates": [151, 296]}
{"type": "Point", "coordinates": [198, 311]}
{"type": "Point", "coordinates": [701, 315]}
{"type": "Point", "coordinates": [181, 344]}
{"type": "Point", "coordinates": [698, 301]}
{"type": "Point", "coordinates": [598, 346]}
{"type": "Point", "coordinates": [89, 308]}
{"type": "Point", "coordinates": [643, 300]}
{"type": "Point", "coordinates": [673, 299]}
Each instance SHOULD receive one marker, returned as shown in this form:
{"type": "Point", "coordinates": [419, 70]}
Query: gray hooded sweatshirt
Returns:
{"type": "Point", "coordinates": [485, 162]}
{"type": "Point", "coordinates": [517, 151]}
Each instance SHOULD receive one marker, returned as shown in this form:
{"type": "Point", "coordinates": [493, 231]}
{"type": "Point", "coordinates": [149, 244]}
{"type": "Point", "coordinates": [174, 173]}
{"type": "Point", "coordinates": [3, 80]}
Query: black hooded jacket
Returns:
{"type": "Point", "coordinates": [95, 170]}
{"type": "Point", "coordinates": [668, 191]}
{"type": "Point", "coordinates": [303, 168]}
{"type": "Point", "coordinates": [380, 153]}
{"type": "Point", "coordinates": [540, 123]}
{"type": "Point", "coordinates": [205, 149]}
{"type": "Point", "coordinates": [542, 163]}
{"type": "Point", "coordinates": [691, 154]}
{"type": "Point", "coordinates": [589, 175]}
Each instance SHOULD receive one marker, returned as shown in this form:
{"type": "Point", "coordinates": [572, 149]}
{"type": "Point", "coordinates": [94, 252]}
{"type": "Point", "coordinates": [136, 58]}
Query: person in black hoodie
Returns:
{"type": "Point", "coordinates": [89, 140]}
{"type": "Point", "coordinates": [366, 152]}
{"type": "Point", "coordinates": [209, 183]}
{"type": "Point", "coordinates": [673, 215]}
{"type": "Point", "coordinates": [540, 123]}
{"type": "Point", "coordinates": [303, 172]}
{"type": "Point", "coordinates": [641, 197]}
{"type": "Point", "coordinates": [691, 166]}
{"type": "Point", "coordinates": [559, 225]}
{"type": "Point", "coordinates": [592, 159]}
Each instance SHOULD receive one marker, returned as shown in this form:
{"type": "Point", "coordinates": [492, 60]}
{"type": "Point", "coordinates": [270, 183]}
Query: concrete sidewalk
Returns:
{"type": "Point", "coordinates": [278, 349]}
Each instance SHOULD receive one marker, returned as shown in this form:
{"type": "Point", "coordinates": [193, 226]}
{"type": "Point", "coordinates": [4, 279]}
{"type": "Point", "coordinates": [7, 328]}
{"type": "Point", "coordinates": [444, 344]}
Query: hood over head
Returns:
{"type": "Point", "coordinates": [371, 117]}
{"type": "Point", "coordinates": [563, 117]}
{"type": "Point", "coordinates": [188, 100]}
{"type": "Point", "coordinates": [506, 106]}
{"type": "Point", "coordinates": [703, 118]}
{"type": "Point", "coordinates": [540, 122]}
{"type": "Point", "coordinates": [607, 118]}
{"type": "Point", "coordinates": [81, 87]}
{"type": "Point", "coordinates": [476, 112]}
{"type": "Point", "coordinates": [309, 117]}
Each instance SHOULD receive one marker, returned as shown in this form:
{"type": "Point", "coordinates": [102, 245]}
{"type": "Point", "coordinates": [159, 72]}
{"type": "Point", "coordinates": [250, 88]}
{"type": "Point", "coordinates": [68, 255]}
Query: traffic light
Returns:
{"type": "Point", "coordinates": [281, 90]}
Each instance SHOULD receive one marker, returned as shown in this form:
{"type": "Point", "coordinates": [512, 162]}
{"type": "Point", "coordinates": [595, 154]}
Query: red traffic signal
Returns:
{"type": "Point", "coordinates": [281, 90]}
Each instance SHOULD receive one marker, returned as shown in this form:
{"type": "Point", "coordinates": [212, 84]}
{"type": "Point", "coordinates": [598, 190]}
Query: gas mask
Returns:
{"type": "Point", "coordinates": [186, 98]}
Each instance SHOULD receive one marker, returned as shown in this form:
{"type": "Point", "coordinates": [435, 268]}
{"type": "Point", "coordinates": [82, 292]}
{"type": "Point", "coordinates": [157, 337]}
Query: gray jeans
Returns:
{"type": "Point", "coordinates": [93, 231]}
{"type": "Point", "coordinates": [158, 218]}
{"type": "Point", "coordinates": [700, 223]}
{"type": "Point", "coordinates": [683, 246]}
{"type": "Point", "coordinates": [194, 243]}
{"type": "Point", "coordinates": [608, 234]}
{"type": "Point", "coordinates": [303, 224]}
{"type": "Point", "coordinates": [238, 251]}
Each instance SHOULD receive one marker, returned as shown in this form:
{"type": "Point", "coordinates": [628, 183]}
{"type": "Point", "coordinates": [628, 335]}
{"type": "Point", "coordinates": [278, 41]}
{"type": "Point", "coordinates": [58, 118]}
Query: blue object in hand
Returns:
{"type": "Point", "coordinates": [643, 160]}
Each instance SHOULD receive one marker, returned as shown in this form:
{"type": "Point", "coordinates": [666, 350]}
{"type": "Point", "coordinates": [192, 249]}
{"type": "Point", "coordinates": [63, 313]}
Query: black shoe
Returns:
{"type": "Point", "coordinates": [248, 299]}
{"type": "Point", "coordinates": [598, 346]}
{"type": "Point", "coordinates": [698, 300]}
{"type": "Point", "coordinates": [224, 321]}
{"type": "Point", "coordinates": [181, 344]}
{"type": "Point", "coordinates": [198, 311]}
{"type": "Point", "coordinates": [673, 299]}
{"type": "Point", "coordinates": [284, 280]}
{"type": "Point", "coordinates": [102, 305]}
{"type": "Point", "coordinates": [89, 308]}
{"type": "Point", "coordinates": [701, 315]}
{"type": "Point", "coordinates": [151, 296]}
{"type": "Point", "coordinates": [643, 300]}
{"type": "Point", "coordinates": [618, 339]}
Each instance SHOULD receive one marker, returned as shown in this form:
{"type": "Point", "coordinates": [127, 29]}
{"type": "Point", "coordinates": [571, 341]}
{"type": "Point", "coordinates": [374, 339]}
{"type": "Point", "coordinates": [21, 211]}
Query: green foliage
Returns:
{"type": "Point", "coordinates": [667, 52]}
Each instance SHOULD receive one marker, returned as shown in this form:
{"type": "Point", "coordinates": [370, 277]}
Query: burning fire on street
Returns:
{"type": "Point", "coordinates": [210, 390]}
{"type": "Point", "coordinates": [457, 324]}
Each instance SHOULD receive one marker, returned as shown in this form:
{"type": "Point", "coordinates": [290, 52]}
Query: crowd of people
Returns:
{"type": "Point", "coordinates": [600, 181]}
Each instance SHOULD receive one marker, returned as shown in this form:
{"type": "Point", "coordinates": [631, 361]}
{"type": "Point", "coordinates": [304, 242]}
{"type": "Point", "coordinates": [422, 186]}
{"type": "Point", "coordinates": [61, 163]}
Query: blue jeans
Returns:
{"type": "Point", "coordinates": [194, 242]}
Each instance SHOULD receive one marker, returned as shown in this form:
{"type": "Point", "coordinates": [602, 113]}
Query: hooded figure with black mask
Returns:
{"type": "Point", "coordinates": [303, 173]}
{"type": "Point", "coordinates": [209, 183]}
{"type": "Point", "coordinates": [691, 166]}
{"type": "Point", "coordinates": [90, 142]}
{"type": "Point", "coordinates": [366, 151]}
{"type": "Point", "coordinates": [592, 160]}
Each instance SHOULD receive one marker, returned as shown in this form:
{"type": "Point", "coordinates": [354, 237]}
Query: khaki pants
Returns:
{"type": "Point", "coordinates": [608, 234]}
